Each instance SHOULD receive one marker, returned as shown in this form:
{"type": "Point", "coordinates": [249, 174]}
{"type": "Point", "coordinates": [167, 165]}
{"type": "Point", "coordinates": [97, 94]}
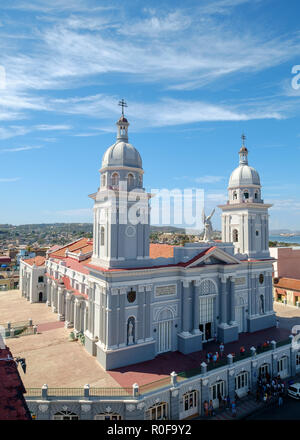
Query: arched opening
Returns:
{"type": "Point", "coordinates": [131, 330]}
{"type": "Point", "coordinates": [208, 292]}
{"type": "Point", "coordinates": [190, 404]}
{"type": "Point", "coordinates": [242, 383]}
{"type": "Point", "coordinates": [103, 180]}
{"type": "Point", "coordinates": [235, 236]}
{"type": "Point", "coordinates": [157, 412]}
{"type": "Point", "coordinates": [256, 195]}
{"type": "Point", "coordinates": [115, 179]}
{"type": "Point", "coordinates": [108, 416]}
{"type": "Point", "coordinates": [234, 196]}
{"type": "Point", "coordinates": [246, 195]}
{"type": "Point", "coordinates": [262, 305]}
{"type": "Point", "coordinates": [164, 330]}
{"type": "Point", "coordinates": [130, 180]}
{"type": "Point", "coordinates": [102, 238]}
{"type": "Point", "coordinates": [41, 297]}
{"type": "Point", "coordinates": [65, 415]}
{"type": "Point", "coordinates": [264, 370]}
{"type": "Point", "coordinates": [217, 391]}
{"type": "Point", "coordinates": [282, 366]}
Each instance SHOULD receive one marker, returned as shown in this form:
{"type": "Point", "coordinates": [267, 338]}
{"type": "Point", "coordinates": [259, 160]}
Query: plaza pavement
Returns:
{"type": "Point", "coordinates": [50, 357]}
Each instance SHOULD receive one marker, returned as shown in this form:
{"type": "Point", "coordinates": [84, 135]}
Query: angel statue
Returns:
{"type": "Point", "coordinates": [208, 230]}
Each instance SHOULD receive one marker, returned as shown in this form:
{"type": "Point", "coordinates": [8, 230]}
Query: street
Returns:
{"type": "Point", "coordinates": [289, 411]}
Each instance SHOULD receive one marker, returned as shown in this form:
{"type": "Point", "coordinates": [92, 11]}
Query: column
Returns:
{"type": "Point", "coordinates": [223, 301]}
{"type": "Point", "coordinates": [196, 306]}
{"type": "Point", "coordinates": [60, 303]}
{"type": "Point", "coordinates": [68, 318]}
{"type": "Point", "coordinates": [77, 315]}
{"type": "Point", "coordinates": [185, 307]}
{"type": "Point", "coordinates": [232, 301]}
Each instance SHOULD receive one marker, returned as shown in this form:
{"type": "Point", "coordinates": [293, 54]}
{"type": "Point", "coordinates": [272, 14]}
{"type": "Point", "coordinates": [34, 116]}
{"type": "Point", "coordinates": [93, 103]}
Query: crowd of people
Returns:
{"type": "Point", "coordinates": [224, 403]}
{"type": "Point", "coordinates": [214, 357]}
{"type": "Point", "coordinates": [270, 389]}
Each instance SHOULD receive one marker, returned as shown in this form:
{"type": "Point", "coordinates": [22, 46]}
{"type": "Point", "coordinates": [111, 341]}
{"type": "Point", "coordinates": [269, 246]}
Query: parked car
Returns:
{"type": "Point", "coordinates": [294, 390]}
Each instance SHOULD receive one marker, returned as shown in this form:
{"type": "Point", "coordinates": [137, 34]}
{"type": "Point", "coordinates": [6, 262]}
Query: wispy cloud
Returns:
{"type": "Point", "coordinates": [18, 149]}
{"type": "Point", "coordinates": [9, 179]}
{"type": "Point", "coordinates": [208, 179]}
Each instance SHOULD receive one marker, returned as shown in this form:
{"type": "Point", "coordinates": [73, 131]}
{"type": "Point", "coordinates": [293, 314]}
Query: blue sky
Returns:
{"type": "Point", "coordinates": [195, 74]}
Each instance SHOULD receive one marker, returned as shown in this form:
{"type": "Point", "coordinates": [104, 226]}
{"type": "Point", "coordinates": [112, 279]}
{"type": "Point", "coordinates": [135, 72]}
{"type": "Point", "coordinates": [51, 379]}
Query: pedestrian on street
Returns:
{"type": "Point", "coordinates": [228, 402]}
{"type": "Point", "coordinates": [205, 405]}
{"type": "Point", "coordinates": [233, 409]}
{"type": "Point", "coordinates": [211, 409]}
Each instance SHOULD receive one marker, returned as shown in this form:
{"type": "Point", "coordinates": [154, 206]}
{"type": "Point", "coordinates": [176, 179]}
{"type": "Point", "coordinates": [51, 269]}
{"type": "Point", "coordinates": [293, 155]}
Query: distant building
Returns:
{"type": "Point", "coordinates": [287, 262]}
{"type": "Point", "coordinates": [12, 402]}
{"type": "Point", "coordinates": [24, 254]}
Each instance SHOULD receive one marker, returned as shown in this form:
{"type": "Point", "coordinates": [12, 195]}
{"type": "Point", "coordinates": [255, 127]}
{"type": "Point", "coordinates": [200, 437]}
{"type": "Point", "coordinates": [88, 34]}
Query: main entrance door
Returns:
{"type": "Point", "coordinates": [164, 336]}
{"type": "Point", "coordinates": [164, 330]}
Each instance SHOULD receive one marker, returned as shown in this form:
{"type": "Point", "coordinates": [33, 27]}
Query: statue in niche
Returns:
{"type": "Point", "coordinates": [262, 306]}
{"type": "Point", "coordinates": [130, 331]}
{"type": "Point", "coordinates": [208, 230]}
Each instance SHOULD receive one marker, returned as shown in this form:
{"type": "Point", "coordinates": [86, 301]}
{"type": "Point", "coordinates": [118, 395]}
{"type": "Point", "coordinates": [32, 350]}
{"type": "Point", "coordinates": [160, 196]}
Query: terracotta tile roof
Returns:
{"type": "Point", "coordinates": [83, 244]}
{"type": "Point", "coordinates": [158, 250]}
{"type": "Point", "coordinates": [38, 261]}
{"type": "Point", "coordinates": [288, 283]}
{"type": "Point", "coordinates": [12, 403]}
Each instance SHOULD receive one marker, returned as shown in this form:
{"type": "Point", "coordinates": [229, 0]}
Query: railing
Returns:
{"type": "Point", "coordinates": [33, 392]}
{"type": "Point", "coordinates": [98, 392]}
{"type": "Point", "coordinates": [65, 392]}
{"type": "Point", "coordinates": [143, 389]}
{"type": "Point", "coordinates": [284, 342]}
{"type": "Point", "coordinates": [20, 331]}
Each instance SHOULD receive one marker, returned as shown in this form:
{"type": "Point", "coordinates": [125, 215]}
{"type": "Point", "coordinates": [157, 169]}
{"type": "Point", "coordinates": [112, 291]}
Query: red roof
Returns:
{"type": "Point", "coordinates": [38, 261]}
{"type": "Point", "coordinates": [158, 250]}
{"type": "Point", "coordinates": [12, 403]}
{"type": "Point", "coordinates": [288, 283]}
{"type": "Point", "coordinates": [4, 259]}
{"type": "Point", "coordinates": [84, 245]}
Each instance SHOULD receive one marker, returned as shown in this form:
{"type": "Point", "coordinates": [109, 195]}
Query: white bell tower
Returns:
{"type": "Point", "coordinates": [245, 219]}
{"type": "Point", "coordinates": [121, 210]}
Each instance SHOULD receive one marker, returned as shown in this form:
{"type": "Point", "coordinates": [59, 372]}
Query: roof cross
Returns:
{"type": "Point", "coordinates": [123, 104]}
{"type": "Point", "coordinates": [243, 138]}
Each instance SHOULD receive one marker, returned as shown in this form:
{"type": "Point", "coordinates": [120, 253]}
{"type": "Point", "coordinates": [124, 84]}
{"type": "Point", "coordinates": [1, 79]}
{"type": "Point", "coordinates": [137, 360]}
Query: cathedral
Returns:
{"type": "Point", "coordinates": [133, 300]}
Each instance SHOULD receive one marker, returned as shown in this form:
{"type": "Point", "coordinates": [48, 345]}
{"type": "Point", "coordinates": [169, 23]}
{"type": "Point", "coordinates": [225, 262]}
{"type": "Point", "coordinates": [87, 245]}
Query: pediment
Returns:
{"type": "Point", "coordinates": [212, 256]}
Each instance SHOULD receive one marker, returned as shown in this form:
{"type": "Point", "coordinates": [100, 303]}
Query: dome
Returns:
{"type": "Point", "coordinates": [244, 175]}
{"type": "Point", "coordinates": [122, 154]}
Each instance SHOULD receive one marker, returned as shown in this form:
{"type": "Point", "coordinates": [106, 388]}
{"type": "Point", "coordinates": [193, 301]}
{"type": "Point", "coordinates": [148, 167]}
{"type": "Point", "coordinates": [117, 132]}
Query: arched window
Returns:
{"type": "Point", "coordinates": [107, 416]}
{"type": "Point", "coordinates": [102, 231]}
{"type": "Point", "coordinates": [103, 180]}
{"type": "Point", "coordinates": [65, 415]}
{"type": "Point", "coordinates": [235, 236]}
{"type": "Point", "coordinates": [115, 179]}
{"type": "Point", "coordinates": [130, 179]}
{"type": "Point", "coordinates": [234, 195]}
{"type": "Point", "coordinates": [256, 195]}
{"type": "Point", "coordinates": [246, 195]}
{"type": "Point", "coordinates": [157, 412]}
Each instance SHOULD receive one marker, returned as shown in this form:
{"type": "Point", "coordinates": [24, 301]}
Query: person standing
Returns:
{"type": "Point", "coordinates": [221, 348]}
{"type": "Point", "coordinates": [233, 409]}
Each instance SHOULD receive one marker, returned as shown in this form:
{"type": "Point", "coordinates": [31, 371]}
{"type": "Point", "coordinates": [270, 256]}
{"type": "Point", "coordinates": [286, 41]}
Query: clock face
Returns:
{"type": "Point", "coordinates": [261, 278]}
{"type": "Point", "coordinates": [131, 296]}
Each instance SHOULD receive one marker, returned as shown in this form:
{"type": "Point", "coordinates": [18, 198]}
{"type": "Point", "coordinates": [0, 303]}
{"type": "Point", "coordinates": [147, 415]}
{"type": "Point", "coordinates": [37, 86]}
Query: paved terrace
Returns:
{"type": "Point", "coordinates": [52, 359]}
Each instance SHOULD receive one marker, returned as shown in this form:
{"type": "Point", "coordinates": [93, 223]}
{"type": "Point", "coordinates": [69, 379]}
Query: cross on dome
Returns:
{"type": "Point", "coordinates": [123, 104]}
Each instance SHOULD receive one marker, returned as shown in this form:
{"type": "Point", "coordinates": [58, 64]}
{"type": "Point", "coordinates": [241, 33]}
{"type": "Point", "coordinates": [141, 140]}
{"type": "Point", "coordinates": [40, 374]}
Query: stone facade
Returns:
{"type": "Point", "coordinates": [176, 400]}
{"type": "Point", "coordinates": [131, 307]}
